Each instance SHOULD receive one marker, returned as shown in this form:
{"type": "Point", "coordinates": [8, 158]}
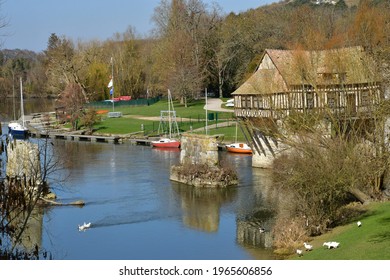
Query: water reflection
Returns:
{"type": "Point", "coordinates": [201, 206]}
{"type": "Point", "coordinates": [32, 231]}
{"type": "Point", "coordinates": [29, 105]}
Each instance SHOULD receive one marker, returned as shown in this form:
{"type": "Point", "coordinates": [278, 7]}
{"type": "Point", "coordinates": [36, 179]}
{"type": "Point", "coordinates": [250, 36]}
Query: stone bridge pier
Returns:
{"type": "Point", "coordinates": [199, 163]}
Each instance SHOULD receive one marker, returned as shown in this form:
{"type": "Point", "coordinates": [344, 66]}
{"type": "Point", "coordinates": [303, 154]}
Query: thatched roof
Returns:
{"type": "Point", "coordinates": [282, 69]}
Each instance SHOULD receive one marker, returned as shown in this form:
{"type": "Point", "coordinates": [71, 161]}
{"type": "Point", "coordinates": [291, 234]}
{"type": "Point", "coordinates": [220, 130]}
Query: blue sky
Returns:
{"type": "Point", "coordinates": [30, 22]}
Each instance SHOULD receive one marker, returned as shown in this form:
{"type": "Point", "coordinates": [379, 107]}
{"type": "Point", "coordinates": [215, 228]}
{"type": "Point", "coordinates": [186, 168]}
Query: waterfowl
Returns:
{"type": "Point", "coordinates": [331, 244]}
{"type": "Point", "coordinates": [84, 226]}
{"type": "Point", "coordinates": [359, 223]}
{"type": "Point", "coordinates": [299, 252]}
{"type": "Point", "coordinates": [308, 247]}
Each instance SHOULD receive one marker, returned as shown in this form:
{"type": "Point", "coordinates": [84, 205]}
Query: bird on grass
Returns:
{"type": "Point", "coordinates": [359, 223]}
{"type": "Point", "coordinates": [299, 252]}
{"type": "Point", "coordinates": [331, 244]}
{"type": "Point", "coordinates": [308, 247]}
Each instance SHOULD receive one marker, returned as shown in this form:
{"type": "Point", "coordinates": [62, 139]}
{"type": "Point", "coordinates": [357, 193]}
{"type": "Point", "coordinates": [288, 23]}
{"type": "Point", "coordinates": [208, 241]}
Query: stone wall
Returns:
{"type": "Point", "coordinates": [199, 149]}
{"type": "Point", "coordinates": [23, 162]}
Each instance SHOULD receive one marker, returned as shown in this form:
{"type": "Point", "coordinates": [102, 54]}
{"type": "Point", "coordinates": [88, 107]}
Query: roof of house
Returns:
{"type": "Point", "coordinates": [286, 68]}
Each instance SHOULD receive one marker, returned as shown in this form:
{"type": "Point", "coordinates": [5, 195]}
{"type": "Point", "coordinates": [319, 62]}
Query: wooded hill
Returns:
{"type": "Point", "coordinates": [196, 46]}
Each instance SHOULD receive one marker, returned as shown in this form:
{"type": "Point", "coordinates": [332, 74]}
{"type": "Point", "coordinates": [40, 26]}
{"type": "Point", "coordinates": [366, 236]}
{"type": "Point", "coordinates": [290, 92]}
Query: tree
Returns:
{"type": "Point", "coordinates": [182, 26]}
{"type": "Point", "coordinates": [72, 101]}
{"type": "Point", "coordinates": [63, 65]}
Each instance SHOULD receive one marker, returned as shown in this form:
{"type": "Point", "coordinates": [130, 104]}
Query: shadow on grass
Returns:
{"type": "Point", "coordinates": [380, 237]}
{"type": "Point", "coordinates": [385, 220]}
{"type": "Point", "coordinates": [99, 128]}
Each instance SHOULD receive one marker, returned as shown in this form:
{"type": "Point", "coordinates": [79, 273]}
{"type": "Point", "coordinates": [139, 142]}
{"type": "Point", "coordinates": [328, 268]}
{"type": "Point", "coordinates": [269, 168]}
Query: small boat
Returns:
{"type": "Point", "coordinates": [15, 129]}
{"type": "Point", "coordinates": [238, 147]}
{"type": "Point", "coordinates": [166, 143]}
{"type": "Point", "coordinates": [173, 129]}
{"type": "Point", "coordinates": [241, 148]}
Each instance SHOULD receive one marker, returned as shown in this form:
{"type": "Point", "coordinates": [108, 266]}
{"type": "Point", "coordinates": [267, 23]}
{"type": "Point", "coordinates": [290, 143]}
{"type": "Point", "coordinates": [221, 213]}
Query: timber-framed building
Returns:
{"type": "Point", "coordinates": [342, 82]}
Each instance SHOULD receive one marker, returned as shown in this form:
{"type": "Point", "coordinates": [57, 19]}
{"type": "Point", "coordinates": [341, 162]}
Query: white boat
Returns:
{"type": "Point", "coordinates": [241, 148]}
{"type": "Point", "coordinates": [173, 130]}
{"type": "Point", "coordinates": [238, 147]}
{"type": "Point", "coordinates": [16, 129]}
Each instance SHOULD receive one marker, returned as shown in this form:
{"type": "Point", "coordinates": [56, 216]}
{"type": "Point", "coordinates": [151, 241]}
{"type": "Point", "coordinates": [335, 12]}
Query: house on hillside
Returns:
{"type": "Point", "coordinates": [342, 82]}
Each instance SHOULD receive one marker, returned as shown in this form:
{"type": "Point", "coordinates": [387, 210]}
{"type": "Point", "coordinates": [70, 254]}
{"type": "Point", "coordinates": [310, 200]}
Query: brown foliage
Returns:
{"type": "Point", "coordinates": [320, 173]}
{"type": "Point", "coordinates": [289, 234]}
{"type": "Point", "coordinates": [72, 100]}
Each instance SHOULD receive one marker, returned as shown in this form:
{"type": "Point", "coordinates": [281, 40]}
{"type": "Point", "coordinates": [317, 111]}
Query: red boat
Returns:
{"type": "Point", "coordinates": [240, 148]}
{"type": "Point", "coordinates": [166, 143]}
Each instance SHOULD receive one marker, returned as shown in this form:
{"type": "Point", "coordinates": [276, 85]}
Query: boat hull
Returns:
{"type": "Point", "coordinates": [166, 143]}
{"type": "Point", "coordinates": [17, 131]}
{"type": "Point", "coordinates": [240, 148]}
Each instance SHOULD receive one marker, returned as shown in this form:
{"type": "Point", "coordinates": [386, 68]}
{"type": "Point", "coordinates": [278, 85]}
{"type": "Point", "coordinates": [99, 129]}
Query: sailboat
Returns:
{"type": "Point", "coordinates": [168, 142]}
{"type": "Point", "coordinates": [16, 129]}
{"type": "Point", "coordinates": [238, 147]}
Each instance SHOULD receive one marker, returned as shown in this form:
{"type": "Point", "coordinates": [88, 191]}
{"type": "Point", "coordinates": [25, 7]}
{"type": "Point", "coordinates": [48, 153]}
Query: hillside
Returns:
{"type": "Point", "coordinates": [17, 53]}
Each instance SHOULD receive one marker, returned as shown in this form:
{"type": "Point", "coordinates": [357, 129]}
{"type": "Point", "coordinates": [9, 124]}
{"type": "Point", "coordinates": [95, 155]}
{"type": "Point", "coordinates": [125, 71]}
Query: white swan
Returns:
{"type": "Point", "coordinates": [359, 223]}
{"type": "Point", "coordinates": [308, 247]}
{"type": "Point", "coordinates": [84, 226]}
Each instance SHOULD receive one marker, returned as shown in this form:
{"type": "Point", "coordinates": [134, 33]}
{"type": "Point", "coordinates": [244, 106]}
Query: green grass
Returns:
{"type": "Point", "coordinates": [192, 116]}
{"type": "Point", "coordinates": [371, 241]}
{"type": "Point", "coordinates": [228, 132]}
{"type": "Point", "coordinates": [120, 125]}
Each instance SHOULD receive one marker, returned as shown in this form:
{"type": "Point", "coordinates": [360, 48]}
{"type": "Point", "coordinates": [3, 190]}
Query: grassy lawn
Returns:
{"type": "Point", "coordinates": [228, 132]}
{"type": "Point", "coordinates": [121, 125]}
{"type": "Point", "coordinates": [189, 117]}
{"type": "Point", "coordinates": [371, 241]}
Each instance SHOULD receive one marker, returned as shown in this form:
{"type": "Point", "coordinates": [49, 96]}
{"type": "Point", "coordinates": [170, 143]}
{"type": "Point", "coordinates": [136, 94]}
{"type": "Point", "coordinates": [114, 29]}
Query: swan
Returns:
{"type": "Point", "coordinates": [359, 223]}
{"type": "Point", "coordinates": [84, 226]}
{"type": "Point", "coordinates": [308, 247]}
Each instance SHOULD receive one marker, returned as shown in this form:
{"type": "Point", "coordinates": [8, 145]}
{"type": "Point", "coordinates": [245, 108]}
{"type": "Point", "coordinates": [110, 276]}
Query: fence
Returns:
{"type": "Point", "coordinates": [133, 102]}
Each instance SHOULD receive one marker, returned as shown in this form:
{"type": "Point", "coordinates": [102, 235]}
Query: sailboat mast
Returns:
{"type": "Point", "coordinates": [21, 101]}
{"type": "Point", "coordinates": [169, 113]}
{"type": "Point", "coordinates": [112, 77]}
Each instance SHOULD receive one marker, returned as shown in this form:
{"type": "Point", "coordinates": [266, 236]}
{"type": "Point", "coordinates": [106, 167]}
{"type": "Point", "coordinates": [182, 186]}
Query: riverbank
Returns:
{"type": "Point", "coordinates": [370, 241]}
{"type": "Point", "coordinates": [143, 122]}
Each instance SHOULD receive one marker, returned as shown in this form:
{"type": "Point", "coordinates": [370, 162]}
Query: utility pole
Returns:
{"type": "Point", "coordinates": [205, 93]}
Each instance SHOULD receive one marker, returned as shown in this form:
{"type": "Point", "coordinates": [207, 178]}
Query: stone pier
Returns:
{"type": "Point", "coordinates": [199, 163]}
{"type": "Point", "coordinates": [23, 163]}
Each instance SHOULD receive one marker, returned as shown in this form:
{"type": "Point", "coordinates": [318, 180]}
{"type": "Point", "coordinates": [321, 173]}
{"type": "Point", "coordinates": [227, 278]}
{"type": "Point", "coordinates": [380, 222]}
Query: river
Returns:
{"type": "Point", "coordinates": [136, 212]}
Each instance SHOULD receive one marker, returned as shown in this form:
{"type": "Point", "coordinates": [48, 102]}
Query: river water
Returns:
{"type": "Point", "coordinates": [138, 213]}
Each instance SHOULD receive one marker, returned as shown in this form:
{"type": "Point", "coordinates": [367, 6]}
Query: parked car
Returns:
{"type": "Point", "coordinates": [230, 103]}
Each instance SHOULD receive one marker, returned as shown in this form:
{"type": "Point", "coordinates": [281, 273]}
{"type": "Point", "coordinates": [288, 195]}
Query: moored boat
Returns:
{"type": "Point", "coordinates": [15, 129]}
{"type": "Point", "coordinates": [241, 148]}
{"type": "Point", "coordinates": [166, 143]}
